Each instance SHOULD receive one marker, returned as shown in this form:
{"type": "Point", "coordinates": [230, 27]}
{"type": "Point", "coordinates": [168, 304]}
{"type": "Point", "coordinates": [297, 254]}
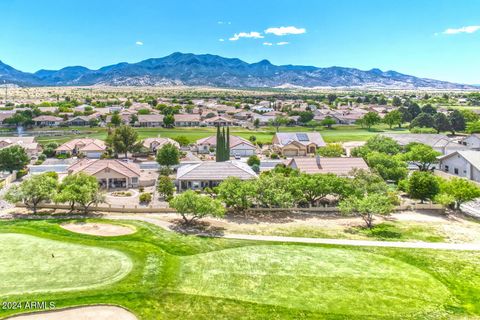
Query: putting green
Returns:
{"type": "Point", "coordinates": [32, 264]}
{"type": "Point", "coordinates": [328, 280]}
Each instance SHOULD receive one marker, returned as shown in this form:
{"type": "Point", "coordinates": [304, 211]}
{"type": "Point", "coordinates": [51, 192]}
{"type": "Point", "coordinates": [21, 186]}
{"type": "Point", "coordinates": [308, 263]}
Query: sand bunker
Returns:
{"type": "Point", "coordinates": [98, 229]}
{"type": "Point", "coordinates": [81, 313]}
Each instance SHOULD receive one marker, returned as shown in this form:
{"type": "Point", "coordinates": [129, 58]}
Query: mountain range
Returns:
{"type": "Point", "coordinates": [211, 70]}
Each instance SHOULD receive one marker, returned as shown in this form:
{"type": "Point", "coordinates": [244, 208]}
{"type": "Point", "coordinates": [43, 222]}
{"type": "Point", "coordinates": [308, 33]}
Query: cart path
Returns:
{"type": "Point", "coordinates": [345, 242]}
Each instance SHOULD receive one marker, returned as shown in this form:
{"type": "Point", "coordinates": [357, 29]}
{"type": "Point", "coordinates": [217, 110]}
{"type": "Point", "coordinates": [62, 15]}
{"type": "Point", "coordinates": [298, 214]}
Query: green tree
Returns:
{"type": "Point", "coordinates": [275, 190]}
{"type": "Point", "coordinates": [331, 150]}
{"type": "Point", "coordinates": [429, 109]}
{"type": "Point", "coordinates": [165, 187]}
{"type": "Point", "coordinates": [13, 158]}
{"type": "Point", "coordinates": [33, 191]}
{"type": "Point", "coordinates": [305, 116]}
{"type": "Point", "coordinates": [278, 121]}
{"type": "Point", "coordinates": [423, 186]}
{"type": "Point", "coordinates": [377, 143]}
{"type": "Point", "coordinates": [470, 116]}
{"type": "Point", "coordinates": [396, 101]}
{"type": "Point", "coordinates": [236, 194]}
{"type": "Point", "coordinates": [414, 110]}
{"type": "Point", "coordinates": [253, 160]}
{"type": "Point", "coordinates": [79, 189]}
{"type": "Point", "coordinates": [168, 155]}
{"type": "Point", "coordinates": [370, 119]}
{"type": "Point", "coordinates": [393, 118]}
{"type": "Point", "coordinates": [387, 166]}
{"type": "Point", "coordinates": [457, 121]}
{"type": "Point", "coordinates": [124, 140]}
{"type": "Point", "coordinates": [462, 190]}
{"type": "Point", "coordinates": [367, 206]}
{"type": "Point", "coordinates": [365, 181]}
{"type": "Point", "coordinates": [314, 187]}
{"type": "Point", "coordinates": [421, 155]}
{"type": "Point", "coordinates": [328, 122]}
{"type": "Point", "coordinates": [182, 140]}
{"type": "Point", "coordinates": [423, 120]}
{"type": "Point", "coordinates": [196, 206]}
{"type": "Point", "coordinates": [441, 122]}
{"type": "Point", "coordinates": [116, 120]}
{"type": "Point", "coordinates": [169, 121]}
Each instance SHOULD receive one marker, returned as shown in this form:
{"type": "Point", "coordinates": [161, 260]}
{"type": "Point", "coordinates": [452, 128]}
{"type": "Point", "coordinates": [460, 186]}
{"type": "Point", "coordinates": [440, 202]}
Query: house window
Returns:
{"type": "Point", "coordinates": [455, 170]}
{"type": "Point", "coordinates": [446, 168]}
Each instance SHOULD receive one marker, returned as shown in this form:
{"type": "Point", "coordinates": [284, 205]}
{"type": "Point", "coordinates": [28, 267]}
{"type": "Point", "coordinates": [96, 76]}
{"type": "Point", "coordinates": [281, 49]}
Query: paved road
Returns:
{"type": "Point", "coordinates": [364, 243]}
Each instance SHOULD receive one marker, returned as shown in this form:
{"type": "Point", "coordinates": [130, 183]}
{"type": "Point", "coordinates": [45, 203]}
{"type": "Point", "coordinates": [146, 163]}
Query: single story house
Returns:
{"type": "Point", "coordinates": [79, 121]}
{"type": "Point", "coordinates": [50, 121]}
{"type": "Point", "coordinates": [90, 148]}
{"type": "Point", "coordinates": [338, 166]}
{"type": "Point", "coordinates": [109, 173]}
{"type": "Point", "coordinates": [472, 141]}
{"type": "Point", "coordinates": [218, 121]}
{"type": "Point", "coordinates": [438, 142]}
{"type": "Point", "coordinates": [153, 144]}
{"type": "Point", "coordinates": [211, 174]}
{"type": "Point", "coordinates": [292, 144]}
{"type": "Point", "coordinates": [32, 148]}
{"type": "Point", "coordinates": [465, 163]}
{"type": "Point", "coordinates": [238, 146]}
{"type": "Point", "coordinates": [187, 120]}
{"type": "Point", "coordinates": [262, 109]}
{"type": "Point", "coordinates": [150, 120]}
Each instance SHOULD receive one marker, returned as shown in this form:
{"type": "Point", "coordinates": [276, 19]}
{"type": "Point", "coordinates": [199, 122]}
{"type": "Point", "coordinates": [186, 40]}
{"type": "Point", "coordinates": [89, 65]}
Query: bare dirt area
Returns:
{"type": "Point", "coordinates": [406, 226]}
{"type": "Point", "coordinates": [81, 313]}
{"type": "Point", "coordinates": [98, 229]}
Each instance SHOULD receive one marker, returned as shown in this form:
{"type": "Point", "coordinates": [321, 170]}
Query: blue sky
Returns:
{"type": "Point", "coordinates": [430, 38]}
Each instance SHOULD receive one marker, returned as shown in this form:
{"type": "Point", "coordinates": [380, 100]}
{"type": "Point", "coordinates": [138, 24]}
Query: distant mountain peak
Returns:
{"type": "Point", "coordinates": [212, 70]}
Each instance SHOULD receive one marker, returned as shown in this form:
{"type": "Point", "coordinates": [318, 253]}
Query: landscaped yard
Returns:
{"type": "Point", "coordinates": [186, 277]}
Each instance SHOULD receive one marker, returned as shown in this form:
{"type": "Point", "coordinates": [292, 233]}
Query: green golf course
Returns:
{"type": "Point", "coordinates": [157, 274]}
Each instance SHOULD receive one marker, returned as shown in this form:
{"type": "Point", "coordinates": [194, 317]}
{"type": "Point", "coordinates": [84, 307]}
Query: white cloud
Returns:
{"type": "Point", "coordinates": [282, 31]}
{"type": "Point", "coordinates": [221, 40]}
{"type": "Point", "coordinates": [268, 44]}
{"type": "Point", "coordinates": [139, 43]}
{"type": "Point", "coordinates": [282, 43]}
{"type": "Point", "coordinates": [253, 34]}
{"type": "Point", "coordinates": [469, 29]}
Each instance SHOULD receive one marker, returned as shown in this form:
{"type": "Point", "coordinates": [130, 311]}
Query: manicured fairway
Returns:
{"type": "Point", "coordinates": [32, 264]}
{"type": "Point", "coordinates": [313, 279]}
{"type": "Point", "coordinates": [186, 277]}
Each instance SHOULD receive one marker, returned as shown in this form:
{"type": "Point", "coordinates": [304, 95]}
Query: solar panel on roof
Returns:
{"type": "Point", "coordinates": [302, 137]}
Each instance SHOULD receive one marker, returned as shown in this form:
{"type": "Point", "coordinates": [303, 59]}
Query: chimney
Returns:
{"type": "Point", "coordinates": [317, 159]}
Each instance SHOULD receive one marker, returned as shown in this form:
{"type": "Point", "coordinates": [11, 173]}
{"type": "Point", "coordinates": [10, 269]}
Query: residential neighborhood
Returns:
{"type": "Point", "coordinates": [240, 160]}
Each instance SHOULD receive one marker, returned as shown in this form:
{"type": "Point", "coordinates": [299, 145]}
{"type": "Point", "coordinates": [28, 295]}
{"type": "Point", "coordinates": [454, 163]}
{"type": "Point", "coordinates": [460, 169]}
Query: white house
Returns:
{"type": "Point", "coordinates": [211, 174]}
{"type": "Point", "coordinates": [238, 146]}
{"type": "Point", "coordinates": [472, 141]}
{"type": "Point", "coordinates": [262, 109]}
{"type": "Point", "coordinates": [462, 163]}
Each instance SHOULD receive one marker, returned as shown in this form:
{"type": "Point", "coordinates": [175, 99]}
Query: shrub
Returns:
{"type": "Point", "coordinates": [253, 160]}
{"type": "Point", "coordinates": [145, 197]}
{"type": "Point", "coordinates": [21, 173]}
{"type": "Point", "coordinates": [274, 156]}
{"type": "Point", "coordinates": [63, 156]}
